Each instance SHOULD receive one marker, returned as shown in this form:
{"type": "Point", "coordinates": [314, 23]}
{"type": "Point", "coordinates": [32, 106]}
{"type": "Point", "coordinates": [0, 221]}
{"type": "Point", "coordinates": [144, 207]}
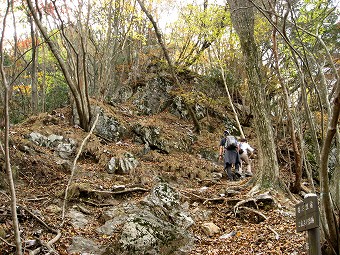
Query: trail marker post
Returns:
{"type": "Point", "coordinates": [307, 218]}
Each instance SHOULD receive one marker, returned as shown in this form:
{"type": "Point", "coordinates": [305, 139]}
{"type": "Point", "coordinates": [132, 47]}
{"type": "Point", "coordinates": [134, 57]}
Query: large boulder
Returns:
{"type": "Point", "coordinates": [121, 95]}
{"type": "Point", "coordinates": [81, 245]}
{"type": "Point", "coordinates": [108, 127]}
{"type": "Point", "coordinates": [158, 225]}
{"type": "Point", "coordinates": [155, 139]}
{"type": "Point", "coordinates": [154, 96]}
{"type": "Point", "coordinates": [151, 136]}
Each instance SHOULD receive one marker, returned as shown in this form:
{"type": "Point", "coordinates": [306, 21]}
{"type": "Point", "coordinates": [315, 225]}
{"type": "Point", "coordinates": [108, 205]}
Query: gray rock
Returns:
{"type": "Point", "coordinates": [158, 225]}
{"type": "Point", "coordinates": [107, 127]}
{"type": "Point", "coordinates": [78, 219]}
{"type": "Point", "coordinates": [110, 128]}
{"type": "Point", "coordinates": [123, 164]}
{"type": "Point", "coordinates": [143, 233]}
{"type": "Point", "coordinates": [65, 150]}
{"type": "Point", "coordinates": [54, 140]}
{"type": "Point", "coordinates": [122, 94]}
{"type": "Point", "coordinates": [111, 226]}
{"type": "Point", "coordinates": [179, 109]}
{"type": "Point", "coordinates": [111, 166]}
{"type": "Point", "coordinates": [155, 139]}
{"type": "Point", "coordinates": [64, 147]}
{"type": "Point", "coordinates": [154, 97]}
{"type": "Point", "coordinates": [116, 216]}
{"type": "Point", "coordinates": [38, 138]}
{"type": "Point", "coordinates": [152, 136]}
{"type": "Point", "coordinates": [128, 164]}
{"type": "Point", "coordinates": [84, 246]}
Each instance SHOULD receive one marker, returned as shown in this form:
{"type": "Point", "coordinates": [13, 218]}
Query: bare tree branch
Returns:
{"type": "Point", "coordinates": [74, 166]}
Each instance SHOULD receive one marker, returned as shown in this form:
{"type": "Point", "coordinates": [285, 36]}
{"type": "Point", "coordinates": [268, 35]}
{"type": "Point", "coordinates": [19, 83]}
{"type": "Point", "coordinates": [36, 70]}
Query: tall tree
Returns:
{"type": "Point", "coordinates": [196, 30]}
{"type": "Point", "coordinates": [75, 76]}
{"type": "Point", "coordinates": [242, 17]}
{"type": "Point", "coordinates": [6, 87]}
{"type": "Point", "coordinates": [303, 46]}
{"type": "Point", "coordinates": [296, 143]}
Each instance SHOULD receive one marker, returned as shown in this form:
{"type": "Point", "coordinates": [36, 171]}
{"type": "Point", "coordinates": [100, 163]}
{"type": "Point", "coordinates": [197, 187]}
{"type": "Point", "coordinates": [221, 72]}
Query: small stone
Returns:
{"type": "Point", "coordinates": [210, 228]}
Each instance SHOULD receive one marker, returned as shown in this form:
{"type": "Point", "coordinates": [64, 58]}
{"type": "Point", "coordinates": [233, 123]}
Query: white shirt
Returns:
{"type": "Point", "coordinates": [245, 147]}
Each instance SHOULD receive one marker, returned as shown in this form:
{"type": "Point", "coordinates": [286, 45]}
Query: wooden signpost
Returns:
{"type": "Point", "coordinates": [307, 218]}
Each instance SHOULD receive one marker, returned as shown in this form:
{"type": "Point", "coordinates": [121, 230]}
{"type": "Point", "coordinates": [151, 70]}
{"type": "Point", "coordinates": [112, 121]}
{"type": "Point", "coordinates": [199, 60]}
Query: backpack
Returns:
{"type": "Point", "coordinates": [230, 142]}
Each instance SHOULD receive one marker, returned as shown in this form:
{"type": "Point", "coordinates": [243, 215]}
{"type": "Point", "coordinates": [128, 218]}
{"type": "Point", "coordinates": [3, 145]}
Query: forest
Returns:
{"type": "Point", "coordinates": [151, 84]}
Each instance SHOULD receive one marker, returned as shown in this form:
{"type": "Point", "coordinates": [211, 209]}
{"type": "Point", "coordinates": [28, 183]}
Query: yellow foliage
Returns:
{"type": "Point", "coordinates": [24, 89]}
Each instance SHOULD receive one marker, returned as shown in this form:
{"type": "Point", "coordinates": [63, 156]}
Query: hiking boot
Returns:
{"type": "Point", "coordinates": [238, 174]}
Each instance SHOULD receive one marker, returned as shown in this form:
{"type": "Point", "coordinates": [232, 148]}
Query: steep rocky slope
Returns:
{"type": "Point", "coordinates": [136, 147]}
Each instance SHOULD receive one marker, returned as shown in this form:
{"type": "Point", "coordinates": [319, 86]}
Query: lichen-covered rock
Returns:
{"type": "Point", "coordinates": [155, 139]}
{"type": "Point", "coordinates": [81, 245]}
{"type": "Point", "coordinates": [159, 225]}
{"type": "Point", "coordinates": [154, 97]}
{"type": "Point", "coordinates": [152, 136]}
{"type": "Point", "coordinates": [64, 147]}
{"type": "Point", "coordinates": [121, 95]}
{"type": "Point", "coordinates": [108, 126]}
{"type": "Point", "coordinates": [147, 234]}
{"type": "Point", "coordinates": [123, 164]}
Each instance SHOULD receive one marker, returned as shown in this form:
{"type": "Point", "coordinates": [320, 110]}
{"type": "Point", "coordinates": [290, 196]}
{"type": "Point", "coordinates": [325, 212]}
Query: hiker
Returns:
{"type": "Point", "coordinates": [244, 148]}
{"type": "Point", "coordinates": [229, 149]}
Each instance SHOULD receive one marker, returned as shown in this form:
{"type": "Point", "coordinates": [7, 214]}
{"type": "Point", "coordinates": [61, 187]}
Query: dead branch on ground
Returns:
{"type": "Point", "coordinates": [9, 244]}
{"type": "Point", "coordinates": [277, 236]}
{"type": "Point", "coordinates": [204, 199]}
{"type": "Point", "coordinates": [38, 219]}
{"type": "Point", "coordinates": [74, 167]}
{"type": "Point", "coordinates": [48, 245]}
{"type": "Point", "coordinates": [259, 217]}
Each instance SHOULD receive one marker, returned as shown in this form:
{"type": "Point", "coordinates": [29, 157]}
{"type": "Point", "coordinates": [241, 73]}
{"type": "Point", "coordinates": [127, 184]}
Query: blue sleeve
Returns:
{"type": "Point", "coordinates": [222, 143]}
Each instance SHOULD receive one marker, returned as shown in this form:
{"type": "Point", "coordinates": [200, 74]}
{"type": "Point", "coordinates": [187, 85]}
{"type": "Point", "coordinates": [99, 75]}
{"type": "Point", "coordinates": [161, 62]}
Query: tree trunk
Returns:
{"type": "Point", "coordinates": [6, 152]}
{"type": "Point", "coordinates": [79, 87]}
{"type": "Point", "coordinates": [295, 141]}
{"type": "Point", "coordinates": [43, 81]}
{"type": "Point", "coordinates": [330, 220]}
{"type": "Point", "coordinates": [34, 80]}
{"type": "Point", "coordinates": [242, 17]}
{"type": "Point", "coordinates": [327, 205]}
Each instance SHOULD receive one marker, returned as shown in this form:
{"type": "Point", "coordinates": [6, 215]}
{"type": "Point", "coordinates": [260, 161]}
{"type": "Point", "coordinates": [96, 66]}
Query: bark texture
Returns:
{"type": "Point", "coordinates": [242, 17]}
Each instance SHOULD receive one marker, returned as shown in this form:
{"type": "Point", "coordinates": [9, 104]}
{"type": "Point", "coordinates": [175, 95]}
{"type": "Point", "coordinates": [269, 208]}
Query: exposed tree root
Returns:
{"type": "Point", "coordinates": [257, 216]}
{"type": "Point", "coordinates": [48, 245]}
{"type": "Point", "coordinates": [9, 244]}
{"type": "Point", "coordinates": [277, 236]}
{"type": "Point", "coordinates": [243, 202]}
{"type": "Point", "coordinates": [194, 197]}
